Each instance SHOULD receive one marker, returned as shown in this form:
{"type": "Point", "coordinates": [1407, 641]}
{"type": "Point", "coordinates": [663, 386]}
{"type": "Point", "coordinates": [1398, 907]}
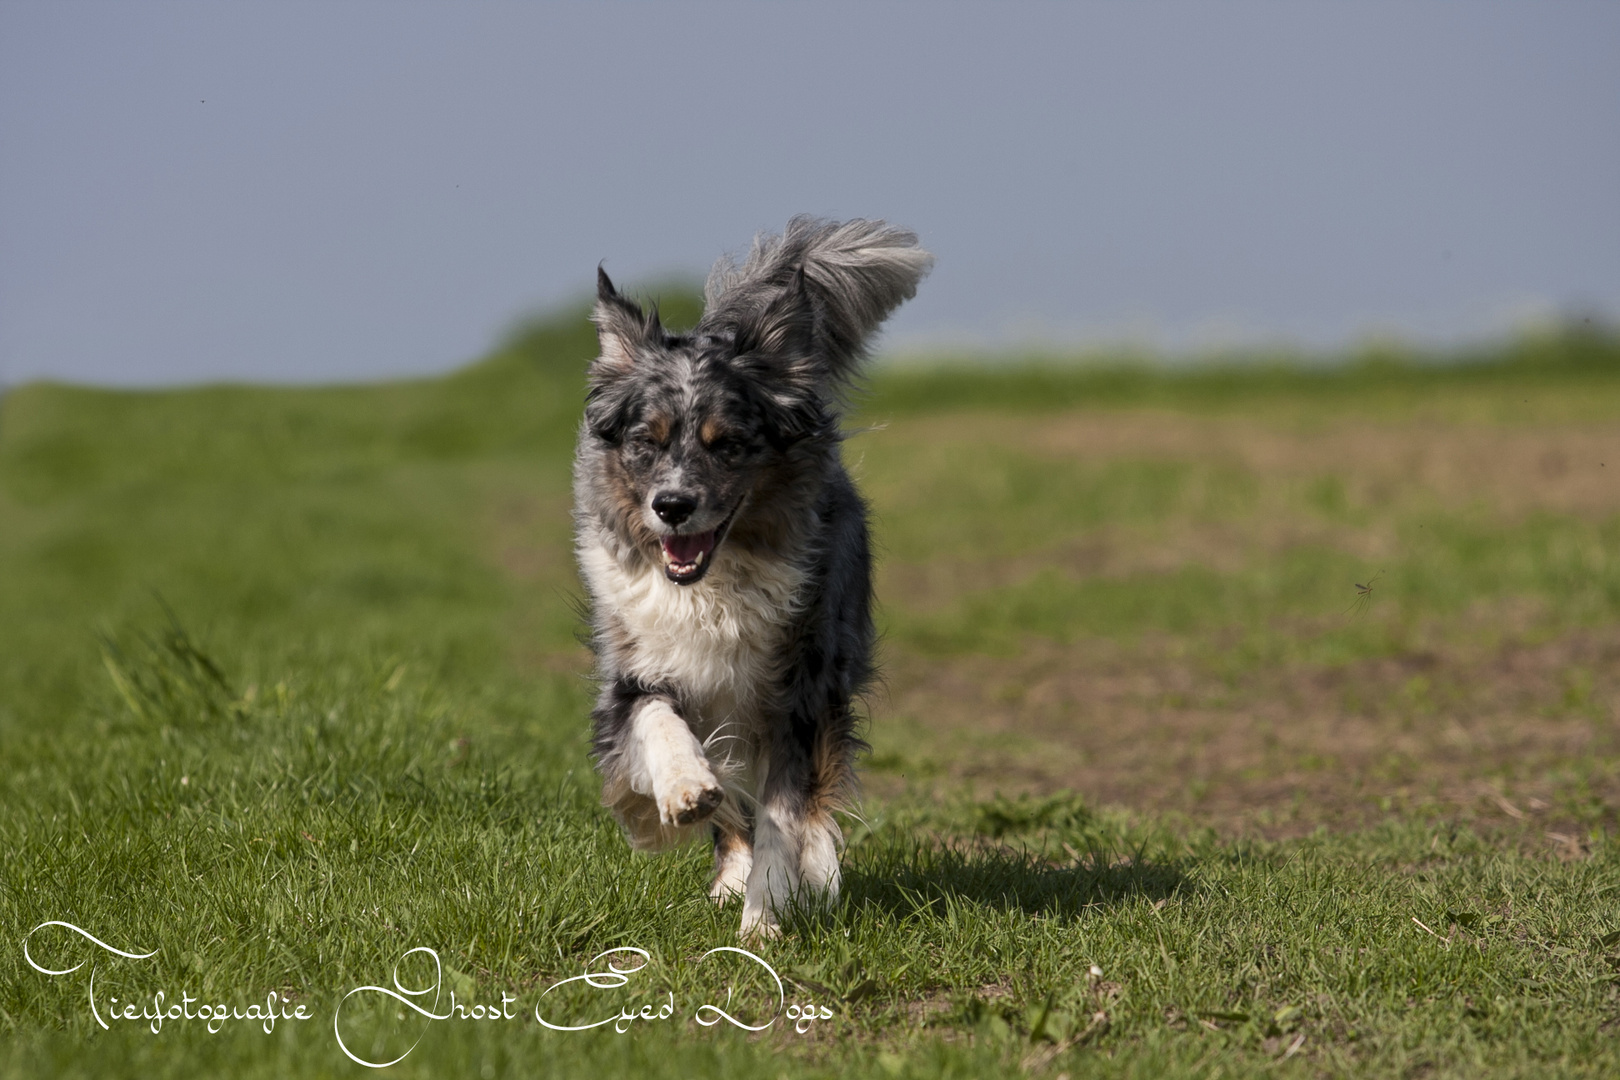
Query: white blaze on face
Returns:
{"type": "Point", "coordinates": [668, 481]}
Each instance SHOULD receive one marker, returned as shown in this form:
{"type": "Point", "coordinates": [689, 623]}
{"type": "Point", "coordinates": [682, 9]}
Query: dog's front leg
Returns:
{"type": "Point", "coordinates": [796, 845]}
{"type": "Point", "coordinates": [773, 879]}
{"type": "Point", "coordinates": [665, 761]}
{"type": "Point", "coordinates": [795, 860]}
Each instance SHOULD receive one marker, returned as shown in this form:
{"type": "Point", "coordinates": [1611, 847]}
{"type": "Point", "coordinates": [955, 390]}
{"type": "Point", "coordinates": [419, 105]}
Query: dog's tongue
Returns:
{"type": "Point", "coordinates": [686, 549]}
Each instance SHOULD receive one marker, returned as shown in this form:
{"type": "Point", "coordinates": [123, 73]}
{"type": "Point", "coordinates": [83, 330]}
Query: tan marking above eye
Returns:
{"type": "Point", "coordinates": [712, 431]}
{"type": "Point", "coordinates": [658, 428]}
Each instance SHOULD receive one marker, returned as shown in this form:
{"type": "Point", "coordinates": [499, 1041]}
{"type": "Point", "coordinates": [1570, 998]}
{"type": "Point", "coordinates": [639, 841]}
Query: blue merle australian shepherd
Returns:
{"type": "Point", "coordinates": [725, 550]}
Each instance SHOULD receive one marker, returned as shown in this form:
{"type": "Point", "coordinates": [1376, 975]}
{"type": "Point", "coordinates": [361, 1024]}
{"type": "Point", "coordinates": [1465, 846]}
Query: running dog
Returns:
{"type": "Point", "coordinates": [725, 551]}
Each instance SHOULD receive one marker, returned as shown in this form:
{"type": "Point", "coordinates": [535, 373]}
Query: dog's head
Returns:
{"type": "Point", "coordinates": [690, 424]}
{"type": "Point", "coordinates": [692, 430]}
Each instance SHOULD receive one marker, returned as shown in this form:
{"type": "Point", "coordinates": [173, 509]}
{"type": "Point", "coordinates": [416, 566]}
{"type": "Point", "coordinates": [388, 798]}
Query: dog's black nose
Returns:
{"type": "Point", "coordinates": [673, 507]}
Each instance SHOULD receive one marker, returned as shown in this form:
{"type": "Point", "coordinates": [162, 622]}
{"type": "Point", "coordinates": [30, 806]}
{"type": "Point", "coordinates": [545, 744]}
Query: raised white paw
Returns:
{"type": "Point", "coordinates": [689, 798]}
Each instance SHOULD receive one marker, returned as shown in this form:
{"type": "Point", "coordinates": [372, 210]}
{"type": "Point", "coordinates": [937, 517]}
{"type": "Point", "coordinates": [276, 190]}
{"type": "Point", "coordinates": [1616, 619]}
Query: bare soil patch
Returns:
{"type": "Point", "coordinates": [1518, 731]}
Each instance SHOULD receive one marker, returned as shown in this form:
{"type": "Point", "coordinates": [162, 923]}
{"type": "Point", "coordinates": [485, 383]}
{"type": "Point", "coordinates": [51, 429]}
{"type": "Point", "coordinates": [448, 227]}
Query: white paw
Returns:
{"type": "Point", "coordinates": [688, 798]}
{"type": "Point", "coordinates": [772, 880]}
{"type": "Point", "coordinates": [759, 922]}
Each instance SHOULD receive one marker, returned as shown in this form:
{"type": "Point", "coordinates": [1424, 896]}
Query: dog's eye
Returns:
{"type": "Point", "coordinates": [726, 447]}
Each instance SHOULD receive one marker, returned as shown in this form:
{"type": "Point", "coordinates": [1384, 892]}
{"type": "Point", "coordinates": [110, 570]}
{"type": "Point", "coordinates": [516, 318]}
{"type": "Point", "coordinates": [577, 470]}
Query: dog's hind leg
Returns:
{"type": "Point", "coordinates": [733, 859]}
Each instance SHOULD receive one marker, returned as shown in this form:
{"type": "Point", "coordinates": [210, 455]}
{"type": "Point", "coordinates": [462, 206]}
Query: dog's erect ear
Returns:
{"type": "Point", "coordinates": [626, 335]}
{"type": "Point", "coordinates": [622, 329]}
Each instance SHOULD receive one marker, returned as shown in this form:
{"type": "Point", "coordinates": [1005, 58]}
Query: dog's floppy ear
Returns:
{"type": "Point", "coordinates": [785, 329]}
{"type": "Point", "coordinates": [777, 345]}
{"type": "Point", "coordinates": [622, 329]}
{"type": "Point", "coordinates": [855, 274]}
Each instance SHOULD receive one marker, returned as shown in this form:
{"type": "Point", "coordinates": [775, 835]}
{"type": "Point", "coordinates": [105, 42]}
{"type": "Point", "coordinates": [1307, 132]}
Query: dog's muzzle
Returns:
{"type": "Point", "coordinates": [688, 556]}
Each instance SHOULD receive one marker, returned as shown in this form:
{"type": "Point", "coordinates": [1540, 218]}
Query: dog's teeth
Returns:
{"type": "Point", "coordinates": [699, 560]}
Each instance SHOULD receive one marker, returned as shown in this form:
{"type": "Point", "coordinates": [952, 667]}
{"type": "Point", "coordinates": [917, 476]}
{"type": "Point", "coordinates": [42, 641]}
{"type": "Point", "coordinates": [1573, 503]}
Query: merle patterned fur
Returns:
{"type": "Point", "coordinates": [725, 551]}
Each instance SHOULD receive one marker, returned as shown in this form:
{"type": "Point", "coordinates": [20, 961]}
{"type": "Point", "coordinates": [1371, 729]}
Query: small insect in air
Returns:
{"type": "Point", "coordinates": [1363, 595]}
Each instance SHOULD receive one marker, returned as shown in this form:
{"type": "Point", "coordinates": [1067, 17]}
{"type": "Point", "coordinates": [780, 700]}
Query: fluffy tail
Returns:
{"type": "Point", "coordinates": [833, 282]}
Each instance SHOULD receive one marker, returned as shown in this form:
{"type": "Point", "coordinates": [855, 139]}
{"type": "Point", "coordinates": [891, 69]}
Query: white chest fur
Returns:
{"type": "Point", "coordinates": [720, 641]}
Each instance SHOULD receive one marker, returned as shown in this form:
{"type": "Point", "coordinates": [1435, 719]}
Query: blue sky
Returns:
{"type": "Point", "coordinates": [336, 191]}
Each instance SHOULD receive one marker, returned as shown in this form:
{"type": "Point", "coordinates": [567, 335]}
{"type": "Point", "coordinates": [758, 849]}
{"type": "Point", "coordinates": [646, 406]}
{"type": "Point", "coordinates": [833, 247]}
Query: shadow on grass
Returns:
{"type": "Point", "coordinates": [922, 878]}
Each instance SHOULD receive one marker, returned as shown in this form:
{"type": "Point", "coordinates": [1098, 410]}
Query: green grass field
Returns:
{"type": "Point", "coordinates": [290, 686]}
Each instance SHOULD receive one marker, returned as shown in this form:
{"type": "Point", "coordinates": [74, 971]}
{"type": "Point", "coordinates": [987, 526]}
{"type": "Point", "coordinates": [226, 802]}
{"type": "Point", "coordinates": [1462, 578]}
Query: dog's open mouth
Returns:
{"type": "Point", "coordinates": [688, 557]}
